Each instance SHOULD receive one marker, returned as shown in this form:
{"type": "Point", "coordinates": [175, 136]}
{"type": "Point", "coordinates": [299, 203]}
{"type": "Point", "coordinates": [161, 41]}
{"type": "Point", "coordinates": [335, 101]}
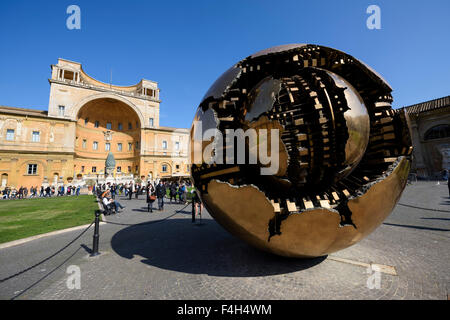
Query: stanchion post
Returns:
{"type": "Point", "coordinates": [96, 234]}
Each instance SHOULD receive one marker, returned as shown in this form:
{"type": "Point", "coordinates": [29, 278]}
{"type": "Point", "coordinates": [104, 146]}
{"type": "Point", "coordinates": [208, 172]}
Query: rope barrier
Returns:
{"type": "Point", "coordinates": [76, 238]}
{"type": "Point", "coordinates": [45, 276]}
{"type": "Point", "coordinates": [46, 259]}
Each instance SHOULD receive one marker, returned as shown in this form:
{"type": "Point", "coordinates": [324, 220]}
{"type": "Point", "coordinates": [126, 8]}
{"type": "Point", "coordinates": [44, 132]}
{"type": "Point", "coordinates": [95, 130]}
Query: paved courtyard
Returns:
{"type": "Point", "coordinates": [176, 259]}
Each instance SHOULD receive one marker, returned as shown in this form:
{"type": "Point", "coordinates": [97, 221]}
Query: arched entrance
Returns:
{"type": "Point", "coordinates": [106, 125]}
{"type": "Point", "coordinates": [55, 178]}
{"type": "Point", "coordinates": [4, 180]}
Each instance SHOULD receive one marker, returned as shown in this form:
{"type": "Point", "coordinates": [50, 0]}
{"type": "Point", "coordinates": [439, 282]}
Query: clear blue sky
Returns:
{"type": "Point", "coordinates": [186, 45]}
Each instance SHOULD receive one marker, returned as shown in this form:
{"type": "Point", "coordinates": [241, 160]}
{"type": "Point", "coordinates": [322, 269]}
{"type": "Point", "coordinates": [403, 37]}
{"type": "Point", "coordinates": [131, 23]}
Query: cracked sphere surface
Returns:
{"type": "Point", "coordinates": [337, 157]}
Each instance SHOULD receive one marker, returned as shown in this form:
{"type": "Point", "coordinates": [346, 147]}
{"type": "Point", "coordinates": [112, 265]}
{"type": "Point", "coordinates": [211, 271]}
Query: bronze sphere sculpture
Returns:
{"type": "Point", "coordinates": [337, 158]}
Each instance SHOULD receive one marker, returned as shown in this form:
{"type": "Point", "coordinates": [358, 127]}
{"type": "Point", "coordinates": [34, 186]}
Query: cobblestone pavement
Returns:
{"type": "Point", "coordinates": [176, 259]}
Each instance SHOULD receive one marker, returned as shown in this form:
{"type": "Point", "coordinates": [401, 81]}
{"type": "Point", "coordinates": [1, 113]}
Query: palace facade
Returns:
{"type": "Point", "coordinates": [430, 132]}
{"type": "Point", "coordinates": [85, 121]}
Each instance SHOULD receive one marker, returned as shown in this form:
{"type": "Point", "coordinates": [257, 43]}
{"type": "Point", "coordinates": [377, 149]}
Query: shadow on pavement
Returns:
{"type": "Point", "coordinates": [443, 219]}
{"type": "Point", "coordinates": [415, 227]}
{"type": "Point", "coordinates": [179, 245]}
{"type": "Point", "coordinates": [86, 248]}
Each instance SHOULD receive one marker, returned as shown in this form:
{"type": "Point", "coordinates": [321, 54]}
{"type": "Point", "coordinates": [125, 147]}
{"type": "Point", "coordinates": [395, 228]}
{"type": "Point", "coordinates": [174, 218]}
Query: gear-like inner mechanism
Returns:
{"type": "Point", "coordinates": [340, 157]}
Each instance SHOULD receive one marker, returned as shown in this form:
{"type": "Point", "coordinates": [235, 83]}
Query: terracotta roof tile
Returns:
{"type": "Point", "coordinates": [23, 111]}
{"type": "Point", "coordinates": [429, 105]}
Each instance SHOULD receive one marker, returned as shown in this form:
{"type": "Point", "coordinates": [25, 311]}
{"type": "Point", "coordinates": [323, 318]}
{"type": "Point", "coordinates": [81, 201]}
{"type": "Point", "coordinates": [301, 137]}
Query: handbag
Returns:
{"type": "Point", "coordinates": [152, 198]}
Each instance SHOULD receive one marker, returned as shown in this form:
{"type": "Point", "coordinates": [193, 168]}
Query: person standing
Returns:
{"type": "Point", "coordinates": [138, 189]}
{"type": "Point", "coordinates": [173, 192]}
{"type": "Point", "coordinates": [113, 190]}
{"type": "Point", "coordinates": [99, 192]}
{"type": "Point", "coordinates": [160, 193]}
{"type": "Point", "coordinates": [183, 189]}
{"type": "Point", "coordinates": [130, 190]}
{"type": "Point", "coordinates": [150, 191]}
{"type": "Point", "coordinates": [47, 191]}
{"type": "Point", "coordinates": [196, 205]}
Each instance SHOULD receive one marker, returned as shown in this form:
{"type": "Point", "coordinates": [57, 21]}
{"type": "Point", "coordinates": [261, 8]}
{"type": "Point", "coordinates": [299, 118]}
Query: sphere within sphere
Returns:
{"type": "Point", "coordinates": [341, 152]}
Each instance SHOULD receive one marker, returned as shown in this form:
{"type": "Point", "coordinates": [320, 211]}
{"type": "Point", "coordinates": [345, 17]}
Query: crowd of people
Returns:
{"type": "Point", "coordinates": [176, 192]}
{"type": "Point", "coordinates": [154, 191]}
{"type": "Point", "coordinates": [35, 192]}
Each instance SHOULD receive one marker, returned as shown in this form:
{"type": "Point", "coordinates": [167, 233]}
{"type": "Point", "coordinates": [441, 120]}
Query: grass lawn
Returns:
{"type": "Point", "coordinates": [29, 217]}
{"type": "Point", "coordinates": [188, 194]}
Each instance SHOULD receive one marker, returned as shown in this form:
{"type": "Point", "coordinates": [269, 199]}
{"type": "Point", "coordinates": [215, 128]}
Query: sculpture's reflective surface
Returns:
{"type": "Point", "coordinates": [341, 151]}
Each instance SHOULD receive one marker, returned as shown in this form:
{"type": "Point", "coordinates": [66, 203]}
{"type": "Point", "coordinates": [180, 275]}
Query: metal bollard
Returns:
{"type": "Point", "coordinates": [96, 234]}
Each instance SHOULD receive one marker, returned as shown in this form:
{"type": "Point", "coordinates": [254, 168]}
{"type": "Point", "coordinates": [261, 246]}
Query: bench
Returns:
{"type": "Point", "coordinates": [107, 210]}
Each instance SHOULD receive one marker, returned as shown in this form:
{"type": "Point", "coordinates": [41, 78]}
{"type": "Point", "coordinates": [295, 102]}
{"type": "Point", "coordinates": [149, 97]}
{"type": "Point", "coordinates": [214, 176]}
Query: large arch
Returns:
{"type": "Point", "coordinates": [106, 124]}
{"type": "Point", "coordinates": [105, 95]}
{"type": "Point", "coordinates": [437, 131]}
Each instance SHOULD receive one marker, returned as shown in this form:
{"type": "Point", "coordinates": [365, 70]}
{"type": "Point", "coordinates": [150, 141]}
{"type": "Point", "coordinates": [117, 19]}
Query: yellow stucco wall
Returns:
{"type": "Point", "coordinates": [60, 154]}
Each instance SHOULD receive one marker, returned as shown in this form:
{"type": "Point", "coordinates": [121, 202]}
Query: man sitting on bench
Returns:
{"type": "Point", "coordinates": [109, 202]}
{"type": "Point", "coordinates": [107, 206]}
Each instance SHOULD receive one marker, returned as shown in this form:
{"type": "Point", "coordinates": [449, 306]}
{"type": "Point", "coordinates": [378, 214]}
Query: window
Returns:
{"type": "Point", "coordinates": [82, 168]}
{"type": "Point", "coordinates": [36, 137]}
{"type": "Point", "coordinates": [107, 146]}
{"type": "Point", "coordinates": [119, 147]}
{"type": "Point", "coordinates": [164, 168]}
{"type": "Point", "coordinates": [164, 145]}
{"type": "Point", "coordinates": [84, 143]}
{"type": "Point", "coordinates": [10, 134]}
{"type": "Point", "coordinates": [177, 166]}
{"type": "Point", "coordinates": [108, 125]}
{"type": "Point", "coordinates": [95, 145]}
{"type": "Point", "coordinates": [61, 110]}
{"type": "Point", "coordinates": [32, 169]}
{"type": "Point", "coordinates": [151, 122]}
{"type": "Point", "coordinates": [130, 126]}
{"type": "Point", "coordinates": [438, 132]}
{"type": "Point", "coordinates": [94, 169]}
{"type": "Point", "coordinates": [86, 121]}
{"type": "Point", "coordinates": [120, 126]}
{"type": "Point", "coordinates": [130, 146]}
{"type": "Point", "coordinates": [129, 168]}
{"type": "Point", "coordinates": [96, 124]}
{"type": "Point", "coordinates": [137, 168]}
{"type": "Point", "coordinates": [177, 146]}
{"type": "Point", "coordinates": [137, 144]}
{"type": "Point", "coordinates": [119, 169]}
